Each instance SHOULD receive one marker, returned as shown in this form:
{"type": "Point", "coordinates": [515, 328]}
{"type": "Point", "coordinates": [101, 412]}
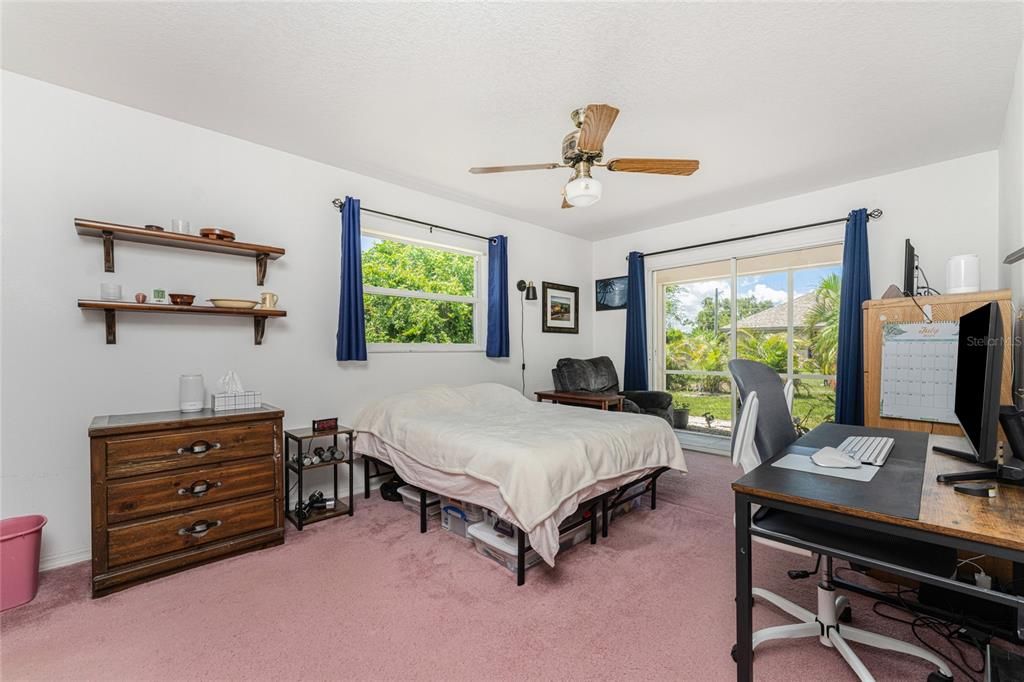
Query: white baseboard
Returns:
{"type": "Point", "coordinates": [48, 563]}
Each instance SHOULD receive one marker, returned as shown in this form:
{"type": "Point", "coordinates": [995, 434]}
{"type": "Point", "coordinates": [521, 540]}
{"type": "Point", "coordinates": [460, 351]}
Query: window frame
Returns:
{"type": "Point", "coordinates": [477, 301]}
{"type": "Point", "coordinates": [658, 358]}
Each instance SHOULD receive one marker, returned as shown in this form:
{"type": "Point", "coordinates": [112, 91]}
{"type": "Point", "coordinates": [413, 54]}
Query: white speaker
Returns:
{"type": "Point", "coordinates": [191, 393]}
{"type": "Point", "coordinates": [962, 274]}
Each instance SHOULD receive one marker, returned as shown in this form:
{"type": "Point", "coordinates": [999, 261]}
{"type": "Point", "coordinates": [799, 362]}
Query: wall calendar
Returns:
{"type": "Point", "coordinates": [919, 371]}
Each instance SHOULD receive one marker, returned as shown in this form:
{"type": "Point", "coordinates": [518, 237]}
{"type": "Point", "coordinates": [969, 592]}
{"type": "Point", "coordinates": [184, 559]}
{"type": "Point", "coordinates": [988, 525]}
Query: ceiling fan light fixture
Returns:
{"type": "Point", "coordinates": [583, 191]}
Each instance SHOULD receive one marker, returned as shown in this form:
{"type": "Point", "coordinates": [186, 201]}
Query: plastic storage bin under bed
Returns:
{"type": "Point", "coordinates": [411, 500]}
{"type": "Point", "coordinates": [457, 516]}
{"type": "Point", "coordinates": [502, 548]}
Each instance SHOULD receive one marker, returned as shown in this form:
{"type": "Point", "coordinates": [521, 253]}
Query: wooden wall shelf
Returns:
{"type": "Point", "coordinates": [110, 232]}
{"type": "Point", "coordinates": [111, 308]}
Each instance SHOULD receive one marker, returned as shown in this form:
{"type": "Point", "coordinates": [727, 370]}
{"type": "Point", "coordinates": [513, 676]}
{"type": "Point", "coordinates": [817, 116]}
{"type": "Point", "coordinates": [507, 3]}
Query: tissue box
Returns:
{"type": "Point", "coordinates": [236, 401]}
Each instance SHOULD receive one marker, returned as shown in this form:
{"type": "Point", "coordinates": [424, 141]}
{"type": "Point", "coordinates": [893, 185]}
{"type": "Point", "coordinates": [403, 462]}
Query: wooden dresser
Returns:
{"type": "Point", "coordinates": [172, 490]}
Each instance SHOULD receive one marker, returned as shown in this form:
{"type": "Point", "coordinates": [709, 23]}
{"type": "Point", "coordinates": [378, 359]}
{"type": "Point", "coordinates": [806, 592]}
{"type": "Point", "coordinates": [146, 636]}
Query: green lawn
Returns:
{"type": "Point", "coordinates": [812, 404]}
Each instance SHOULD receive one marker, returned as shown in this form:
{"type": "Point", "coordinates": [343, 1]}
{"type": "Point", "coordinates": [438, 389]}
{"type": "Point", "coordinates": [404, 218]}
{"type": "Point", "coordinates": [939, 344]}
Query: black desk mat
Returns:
{"type": "Point", "coordinates": [894, 491]}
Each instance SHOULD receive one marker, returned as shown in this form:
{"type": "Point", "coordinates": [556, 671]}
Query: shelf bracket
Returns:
{"type": "Point", "coordinates": [261, 268]}
{"type": "Point", "coordinates": [111, 319]}
{"type": "Point", "coordinates": [259, 325]}
{"type": "Point", "coordinates": [108, 251]}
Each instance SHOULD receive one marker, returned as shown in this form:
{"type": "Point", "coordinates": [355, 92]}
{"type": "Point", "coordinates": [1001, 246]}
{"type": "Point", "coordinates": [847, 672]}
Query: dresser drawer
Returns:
{"type": "Point", "coordinates": [187, 488]}
{"type": "Point", "coordinates": [134, 455]}
{"type": "Point", "coordinates": [144, 539]}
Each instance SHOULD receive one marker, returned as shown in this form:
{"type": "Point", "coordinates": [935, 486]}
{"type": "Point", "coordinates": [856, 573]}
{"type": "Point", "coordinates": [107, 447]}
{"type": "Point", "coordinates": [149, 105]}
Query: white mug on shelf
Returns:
{"type": "Point", "coordinates": [180, 226]}
{"type": "Point", "coordinates": [268, 300]}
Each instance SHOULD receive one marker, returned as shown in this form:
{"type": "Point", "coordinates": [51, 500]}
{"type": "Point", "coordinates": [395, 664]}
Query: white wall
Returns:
{"type": "Point", "coordinates": [945, 209]}
{"type": "Point", "coordinates": [69, 155]}
{"type": "Point", "coordinates": [1011, 185]}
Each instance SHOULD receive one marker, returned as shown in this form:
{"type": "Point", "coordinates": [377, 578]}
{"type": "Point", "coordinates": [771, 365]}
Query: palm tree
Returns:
{"type": "Point", "coordinates": [699, 351]}
{"type": "Point", "coordinates": [822, 322]}
{"type": "Point", "coordinates": [771, 349]}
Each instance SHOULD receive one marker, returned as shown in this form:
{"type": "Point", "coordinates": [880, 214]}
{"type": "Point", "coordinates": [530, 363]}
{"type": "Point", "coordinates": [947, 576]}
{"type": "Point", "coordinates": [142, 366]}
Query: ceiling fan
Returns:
{"type": "Point", "coordinates": [583, 150]}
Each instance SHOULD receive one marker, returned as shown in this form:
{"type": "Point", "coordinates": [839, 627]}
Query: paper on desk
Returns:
{"type": "Point", "coordinates": [803, 463]}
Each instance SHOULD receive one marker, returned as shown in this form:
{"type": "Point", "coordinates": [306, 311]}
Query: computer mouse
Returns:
{"type": "Point", "coordinates": [834, 459]}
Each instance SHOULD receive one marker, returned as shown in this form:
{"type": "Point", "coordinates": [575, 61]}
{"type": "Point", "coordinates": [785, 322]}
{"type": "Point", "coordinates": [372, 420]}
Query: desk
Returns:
{"type": "Point", "coordinates": [604, 401]}
{"type": "Point", "coordinates": [990, 526]}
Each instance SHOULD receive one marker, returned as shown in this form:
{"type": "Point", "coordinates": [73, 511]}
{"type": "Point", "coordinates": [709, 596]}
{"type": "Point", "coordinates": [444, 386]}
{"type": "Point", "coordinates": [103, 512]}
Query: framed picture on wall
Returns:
{"type": "Point", "coordinates": [561, 308]}
{"type": "Point", "coordinates": [610, 293]}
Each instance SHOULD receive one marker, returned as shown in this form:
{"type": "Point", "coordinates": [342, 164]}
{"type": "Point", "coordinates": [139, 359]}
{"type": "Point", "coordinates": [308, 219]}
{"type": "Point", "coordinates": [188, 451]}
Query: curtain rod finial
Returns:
{"type": "Point", "coordinates": [875, 213]}
{"type": "Point", "coordinates": [338, 203]}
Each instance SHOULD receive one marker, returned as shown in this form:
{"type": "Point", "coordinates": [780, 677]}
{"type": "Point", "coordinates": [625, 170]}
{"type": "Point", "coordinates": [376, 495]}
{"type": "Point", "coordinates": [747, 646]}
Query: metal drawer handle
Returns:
{"type": "Point", "coordinates": [199, 448]}
{"type": "Point", "coordinates": [199, 488]}
{"type": "Point", "coordinates": [199, 528]}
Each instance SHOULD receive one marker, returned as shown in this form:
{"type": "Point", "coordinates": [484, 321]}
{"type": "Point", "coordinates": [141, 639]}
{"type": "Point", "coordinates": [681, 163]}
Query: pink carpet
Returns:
{"type": "Point", "coordinates": [369, 598]}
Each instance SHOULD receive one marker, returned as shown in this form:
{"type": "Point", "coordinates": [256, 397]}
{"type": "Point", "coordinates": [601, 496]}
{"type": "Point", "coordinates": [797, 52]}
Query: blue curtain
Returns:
{"type": "Point", "coordinates": [636, 326]}
{"type": "Point", "coordinates": [351, 322]}
{"type": "Point", "coordinates": [856, 289]}
{"type": "Point", "coordinates": [497, 297]}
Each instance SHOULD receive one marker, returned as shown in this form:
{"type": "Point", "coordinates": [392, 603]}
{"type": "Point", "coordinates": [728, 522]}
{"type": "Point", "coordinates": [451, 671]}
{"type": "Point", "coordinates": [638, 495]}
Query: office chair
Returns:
{"type": "Point", "coordinates": [765, 425]}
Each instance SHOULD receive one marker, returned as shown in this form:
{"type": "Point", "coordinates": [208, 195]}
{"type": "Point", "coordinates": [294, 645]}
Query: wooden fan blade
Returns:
{"type": "Point", "coordinates": [597, 121]}
{"type": "Point", "coordinates": [565, 203]}
{"type": "Point", "coordinates": [660, 166]}
{"type": "Point", "coordinates": [507, 169]}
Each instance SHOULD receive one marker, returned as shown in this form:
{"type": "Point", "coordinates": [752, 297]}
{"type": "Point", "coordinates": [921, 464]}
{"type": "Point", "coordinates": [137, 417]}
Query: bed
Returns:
{"type": "Point", "coordinates": [533, 464]}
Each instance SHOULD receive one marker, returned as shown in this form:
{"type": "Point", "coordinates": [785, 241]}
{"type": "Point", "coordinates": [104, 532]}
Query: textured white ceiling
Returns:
{"type": "Point", "coordinates": [774, 99]}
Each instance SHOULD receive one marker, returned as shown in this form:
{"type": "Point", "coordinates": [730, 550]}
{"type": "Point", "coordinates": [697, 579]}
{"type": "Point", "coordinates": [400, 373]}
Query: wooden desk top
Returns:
{"type": "Point", "coordinates": [995, 521]}
{"type": "Point", "coordinates": [579, 397]}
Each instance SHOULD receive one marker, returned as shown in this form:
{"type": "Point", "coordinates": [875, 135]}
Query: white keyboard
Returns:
{"type": "Point", "coordinates": [868, 449]}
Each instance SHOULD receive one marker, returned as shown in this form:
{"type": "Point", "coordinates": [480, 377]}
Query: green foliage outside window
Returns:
{"type": "Point", "coordinates": [695, 345]}
{"type": "Point", "coordinates": [408, 267]}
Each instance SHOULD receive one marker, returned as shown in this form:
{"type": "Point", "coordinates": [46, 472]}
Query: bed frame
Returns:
{"type": "Point", "coordinates": [606, 501]}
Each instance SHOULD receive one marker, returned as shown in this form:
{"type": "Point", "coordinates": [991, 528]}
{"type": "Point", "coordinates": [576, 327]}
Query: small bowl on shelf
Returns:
{"type": "Point", "coordinates": [217, 233]}
{"type": "Point", "coordinates": [181, 299]}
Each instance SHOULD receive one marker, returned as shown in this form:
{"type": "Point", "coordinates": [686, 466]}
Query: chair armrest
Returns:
{"type": "Point", "coordinates": [655, 400]}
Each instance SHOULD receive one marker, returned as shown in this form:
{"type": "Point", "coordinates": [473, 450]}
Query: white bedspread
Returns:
{"type": "Point", "coordinates": [537, 454]}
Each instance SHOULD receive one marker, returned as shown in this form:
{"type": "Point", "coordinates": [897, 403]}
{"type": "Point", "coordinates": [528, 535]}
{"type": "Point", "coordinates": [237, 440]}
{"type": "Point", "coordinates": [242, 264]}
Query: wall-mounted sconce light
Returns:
{"type": "Point", "coordinates": [531, 295]}
{"type": "Point", "coordinates": [531, 291]}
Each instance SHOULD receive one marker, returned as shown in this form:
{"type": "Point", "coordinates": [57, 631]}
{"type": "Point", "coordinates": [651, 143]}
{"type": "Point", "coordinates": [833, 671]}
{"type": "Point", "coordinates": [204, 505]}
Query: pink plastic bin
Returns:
{"type": "Point", "coordinates": [19, 559]}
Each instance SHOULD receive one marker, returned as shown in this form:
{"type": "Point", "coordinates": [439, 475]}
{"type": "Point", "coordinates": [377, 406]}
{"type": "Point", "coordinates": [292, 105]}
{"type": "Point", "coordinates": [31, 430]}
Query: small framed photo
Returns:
{"type": "Point", "coordinates": [610, 293]}
{"type": "Point", "coordinates": [561, 308]}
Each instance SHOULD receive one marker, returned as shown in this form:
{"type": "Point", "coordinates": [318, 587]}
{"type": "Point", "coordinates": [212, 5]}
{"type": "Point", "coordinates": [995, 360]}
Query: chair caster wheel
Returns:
{"type": "Point", "coordinates": [939, 677]}
{"type": "Point", "coordinates": [846, 616]}
{"type": "Point", "coordinates": [735, 658]}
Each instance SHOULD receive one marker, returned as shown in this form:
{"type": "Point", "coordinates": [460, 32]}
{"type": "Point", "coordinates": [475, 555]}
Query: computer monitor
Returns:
{"type": "Point", "coordinates": [979, 368]}
{"type": "Point", "coordinates": [909, 270]}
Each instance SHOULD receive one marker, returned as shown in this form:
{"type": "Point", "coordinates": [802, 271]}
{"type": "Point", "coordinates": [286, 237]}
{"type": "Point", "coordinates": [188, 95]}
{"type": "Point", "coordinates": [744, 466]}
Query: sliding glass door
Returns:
{"type": "Point", "coordinates": [697, 345]}
{"type": "Point", "coordinates": [785, 313]}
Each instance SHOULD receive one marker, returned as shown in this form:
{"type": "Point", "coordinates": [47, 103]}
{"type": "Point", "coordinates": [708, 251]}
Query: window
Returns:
{"type": "Point", "coordinates": [420, 296]}
{"type": "Point", "coordinates": [786, 316]}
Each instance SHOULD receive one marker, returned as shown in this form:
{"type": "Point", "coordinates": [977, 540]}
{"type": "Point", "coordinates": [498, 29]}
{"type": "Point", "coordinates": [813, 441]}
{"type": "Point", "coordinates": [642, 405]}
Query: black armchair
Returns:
{"type": "Point", "coordinates": [598, 375]}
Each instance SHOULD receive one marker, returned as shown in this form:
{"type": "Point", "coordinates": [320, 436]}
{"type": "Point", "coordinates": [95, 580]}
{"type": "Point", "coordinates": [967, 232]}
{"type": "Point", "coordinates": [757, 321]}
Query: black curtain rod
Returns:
{"type": "Point", "coordinates": [340, 203]}
{"type": "Point", "coordinates": [875, 213]}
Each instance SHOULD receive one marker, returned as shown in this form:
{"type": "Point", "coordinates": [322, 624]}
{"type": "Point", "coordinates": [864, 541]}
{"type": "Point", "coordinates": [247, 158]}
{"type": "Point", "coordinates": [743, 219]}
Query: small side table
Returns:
{"type": "Point", "coordinates": [298, 437]}
{"type": "Point", "coordinates": [604, 401]}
